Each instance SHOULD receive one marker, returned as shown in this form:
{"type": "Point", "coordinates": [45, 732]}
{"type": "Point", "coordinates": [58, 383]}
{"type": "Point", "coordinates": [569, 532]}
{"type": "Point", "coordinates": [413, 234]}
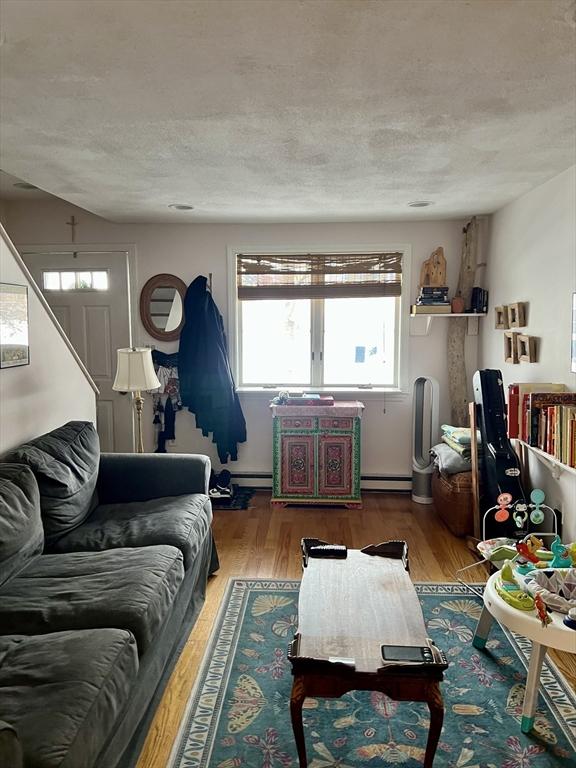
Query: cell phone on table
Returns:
{"type": "Point", "coordinates": [407, 653]}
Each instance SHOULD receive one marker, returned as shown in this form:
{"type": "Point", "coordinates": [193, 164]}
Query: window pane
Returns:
{"type": "Point", "coordinates": [100, 281]}
{"type": "Point", "coordinates": [52, 281]}
{"type": "Point", "coordinates": [359, 341]}
{"type": "Point", "coordinates": [84, 279]}
{"type": "Point", "coordinates": [276, 342]}
{"type": "Point", "coordinates": [68, 280]}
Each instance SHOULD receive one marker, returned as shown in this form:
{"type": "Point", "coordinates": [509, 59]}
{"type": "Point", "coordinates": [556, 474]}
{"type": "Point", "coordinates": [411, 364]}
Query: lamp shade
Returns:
{"type": "Point", "coordinates": [135, 370]}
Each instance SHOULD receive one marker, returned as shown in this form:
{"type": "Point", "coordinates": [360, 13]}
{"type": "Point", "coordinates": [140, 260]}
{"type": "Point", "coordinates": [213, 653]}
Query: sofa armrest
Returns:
{"type": "Point", "coordinates": [126, 477]}
{"type": "Point", "coordinates": [10, 747]}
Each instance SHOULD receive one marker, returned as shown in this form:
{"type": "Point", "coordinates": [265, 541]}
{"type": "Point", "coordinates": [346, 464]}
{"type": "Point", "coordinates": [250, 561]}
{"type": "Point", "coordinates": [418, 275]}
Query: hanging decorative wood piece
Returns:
{"type": "Point", "coordinates": [457, 378]}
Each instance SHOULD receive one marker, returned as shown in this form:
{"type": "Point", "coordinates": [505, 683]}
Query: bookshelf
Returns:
{"type": "Point", "coordinates": [421, 323]}
{"type": "Point", "coordinates": [556, 466]}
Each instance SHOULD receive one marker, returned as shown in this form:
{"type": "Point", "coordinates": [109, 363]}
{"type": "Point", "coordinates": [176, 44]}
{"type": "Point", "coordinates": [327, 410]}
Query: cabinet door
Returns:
{"type": "Point", "coordinates": [336, 466]}
{"type": "Point", "coordinates": [297, 465]}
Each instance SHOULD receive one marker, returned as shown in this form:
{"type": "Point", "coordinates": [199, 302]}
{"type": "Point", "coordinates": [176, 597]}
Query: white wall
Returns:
{"type": "Point", "coordinates": [189, 250]}
{"type": "Point", "coordinates": [532, 258]}
{"type": "Point", "coordinates": [52, 389]}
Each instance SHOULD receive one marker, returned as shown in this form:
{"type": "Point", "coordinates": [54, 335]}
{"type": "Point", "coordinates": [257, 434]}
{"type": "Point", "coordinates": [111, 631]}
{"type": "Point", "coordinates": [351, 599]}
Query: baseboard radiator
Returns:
{"type": "Point", "coordinates": [392, 483]}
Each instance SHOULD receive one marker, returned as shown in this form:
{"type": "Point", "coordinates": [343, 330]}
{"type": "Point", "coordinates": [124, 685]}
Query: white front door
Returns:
{"type": "Point", "coordinates": [88, 292]}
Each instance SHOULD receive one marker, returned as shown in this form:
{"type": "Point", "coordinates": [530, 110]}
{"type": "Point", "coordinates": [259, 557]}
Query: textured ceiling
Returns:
{"type": "Point", "coordinates": [287, 110]}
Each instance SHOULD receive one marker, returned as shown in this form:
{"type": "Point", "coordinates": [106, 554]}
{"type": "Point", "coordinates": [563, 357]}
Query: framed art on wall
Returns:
{"type": "Point", "coordinates": [573, 336]}
{"type": "Point", "coordinates": [14, 349]}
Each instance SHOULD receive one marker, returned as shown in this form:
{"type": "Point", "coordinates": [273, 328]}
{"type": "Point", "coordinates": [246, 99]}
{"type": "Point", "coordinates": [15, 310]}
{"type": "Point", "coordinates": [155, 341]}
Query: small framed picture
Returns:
{"type": "Point", "coordinates": [511, 347]}
{"type": "Point", "coordinates": [573, 337]}
{"type": "Point", "coordinates": [501, 317]}
{"type": "Point", "coordinates": [526, 348]}
{"type": "Point", "coordinates": [14, 348]}
{"type": "Point", "coordinates": [516, 314]}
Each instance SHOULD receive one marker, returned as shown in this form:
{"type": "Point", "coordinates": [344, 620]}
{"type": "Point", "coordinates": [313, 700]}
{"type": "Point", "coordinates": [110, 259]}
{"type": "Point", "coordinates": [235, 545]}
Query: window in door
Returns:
{"type": "Point", "coordinates": [319, 320]}
{"type": "Point", "coordinates": [79, 280]}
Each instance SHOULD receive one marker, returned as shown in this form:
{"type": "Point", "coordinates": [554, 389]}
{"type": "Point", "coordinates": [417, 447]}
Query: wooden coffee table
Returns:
{"type": "Point", "coordinates": [347, 610]}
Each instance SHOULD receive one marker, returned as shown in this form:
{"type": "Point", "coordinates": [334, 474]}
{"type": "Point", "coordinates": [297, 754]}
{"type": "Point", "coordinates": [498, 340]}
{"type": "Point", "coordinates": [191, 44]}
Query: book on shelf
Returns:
{"type": "Point", "coordinates": [427, 289]}
{"type": "Point", "coordinates": [420, 301]}
{"type": "Point", "coordinates": [430, 309]}
{"type": "Point", "coordinates": [479, 300]}
{"type": "Point", "coordinates": [517, 406]}
{"type": "Point", "coordinates": [572, 443]}
{"type": "Point", "coordinates": [539, 401]}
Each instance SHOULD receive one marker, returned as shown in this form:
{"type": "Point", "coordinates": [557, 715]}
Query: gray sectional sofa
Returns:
{"type": "Point", "coordinates": [103, 566]}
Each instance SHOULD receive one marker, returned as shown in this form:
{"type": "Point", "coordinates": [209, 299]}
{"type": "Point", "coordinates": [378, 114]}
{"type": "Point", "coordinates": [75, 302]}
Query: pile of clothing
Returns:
{"type": "Point", "coordinates": [452, 455]}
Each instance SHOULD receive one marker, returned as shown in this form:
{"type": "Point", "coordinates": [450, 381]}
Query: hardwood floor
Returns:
{"type": "Point", "coordinates": [264, 541]}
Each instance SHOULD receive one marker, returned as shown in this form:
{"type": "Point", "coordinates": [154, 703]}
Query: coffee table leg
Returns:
{"type": "Point", "coordinates": [532, 685]}
{"type": "Point", "coordinates": [436, 707]}
{"type": "Point", "coordinates": [482, 629]}
{"type": "Point", "coordinates": [296, 701]}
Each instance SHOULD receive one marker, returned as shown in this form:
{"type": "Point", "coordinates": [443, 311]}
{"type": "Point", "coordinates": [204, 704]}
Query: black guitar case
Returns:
{"type": "Point", "coordinates": [500, 464]}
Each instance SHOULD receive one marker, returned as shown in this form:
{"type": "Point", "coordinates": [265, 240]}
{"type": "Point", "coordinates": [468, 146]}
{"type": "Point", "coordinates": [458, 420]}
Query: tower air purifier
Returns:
{"type": "Point", "coordinates": [425, 429]}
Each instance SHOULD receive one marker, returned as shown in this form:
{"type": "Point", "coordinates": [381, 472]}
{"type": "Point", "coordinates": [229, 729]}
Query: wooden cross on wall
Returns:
{"type": "Point", "coordinates": [72, 224]}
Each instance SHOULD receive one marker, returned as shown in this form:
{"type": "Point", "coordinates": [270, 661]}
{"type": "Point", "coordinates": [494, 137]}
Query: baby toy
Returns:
{"type": "Point", "coordinates": [520, 515]}
{"type": "Point", "coordinates": [503, 506]}
{"type": "Point", "coordinates": [531, 554]}
{"type": "Point", "coordinates": [541, 611]}
{"type": "Point", "coordinates": [510, 591]}
{"type": "Point", "coordinates": [503, 501]}
{"type": "Point", "coordinates": [562, 556]}
{"type": "Point", "coordinates": [537, 498]}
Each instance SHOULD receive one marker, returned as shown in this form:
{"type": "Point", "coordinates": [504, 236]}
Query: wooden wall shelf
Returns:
{"type": "Point", "coordinates": [556, 466]}
{"type": "Point", "coordinates": [421, 323]}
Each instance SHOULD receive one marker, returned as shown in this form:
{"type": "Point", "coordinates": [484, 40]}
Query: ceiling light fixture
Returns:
{"type": "Point", "coordinates": [420, 204]}
{"type": "Point", "coordinates": [25, 185]}
{"type": "Point", "coordinates": [181, 207]}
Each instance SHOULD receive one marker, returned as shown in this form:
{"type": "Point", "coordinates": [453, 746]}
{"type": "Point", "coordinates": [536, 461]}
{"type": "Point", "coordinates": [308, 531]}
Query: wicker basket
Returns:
{"type": "Point", "coordinates": [452, 496]}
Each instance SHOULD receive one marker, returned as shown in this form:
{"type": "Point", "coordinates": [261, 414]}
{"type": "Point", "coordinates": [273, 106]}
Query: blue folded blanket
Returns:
{"type": "Point", "coordinates": [461, 435]}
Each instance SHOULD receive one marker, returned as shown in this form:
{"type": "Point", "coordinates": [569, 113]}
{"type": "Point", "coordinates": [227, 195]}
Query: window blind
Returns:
{"type": "Point", "coordinates": [318, 275]}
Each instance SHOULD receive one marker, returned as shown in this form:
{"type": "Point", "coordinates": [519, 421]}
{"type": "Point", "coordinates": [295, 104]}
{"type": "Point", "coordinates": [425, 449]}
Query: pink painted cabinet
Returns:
{"type": "Point", "coordinates": [316, 454]}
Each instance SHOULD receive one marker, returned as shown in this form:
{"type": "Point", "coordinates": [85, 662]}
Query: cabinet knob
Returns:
{"type": "Point", "coordinates": [297, 423]}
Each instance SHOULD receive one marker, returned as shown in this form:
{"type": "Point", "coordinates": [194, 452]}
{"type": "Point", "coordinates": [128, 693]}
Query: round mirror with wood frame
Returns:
{"type": "Point", "coordinates": [162, 306]}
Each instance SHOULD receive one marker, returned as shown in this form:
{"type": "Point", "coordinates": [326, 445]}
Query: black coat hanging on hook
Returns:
{"type": "Point", "coordinates": [206, 382]}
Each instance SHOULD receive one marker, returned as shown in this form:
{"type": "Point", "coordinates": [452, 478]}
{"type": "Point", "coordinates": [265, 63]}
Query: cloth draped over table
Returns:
{"type": "Point", "coordinates": [206, 383]}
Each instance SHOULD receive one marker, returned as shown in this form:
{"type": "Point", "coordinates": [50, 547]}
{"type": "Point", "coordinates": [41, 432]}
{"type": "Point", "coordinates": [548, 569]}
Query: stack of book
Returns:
{"type": "Point", "coordinates": [544, 416]}
{"type": "Point", "coordinates": [309, 398]}
{"type": "Point", "coordinates": [432, 299]}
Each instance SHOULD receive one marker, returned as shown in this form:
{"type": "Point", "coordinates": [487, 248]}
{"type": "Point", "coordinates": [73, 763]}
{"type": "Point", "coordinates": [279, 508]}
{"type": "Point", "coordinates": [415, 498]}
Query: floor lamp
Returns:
{"type": "Point", "coordinates": [135, 373]}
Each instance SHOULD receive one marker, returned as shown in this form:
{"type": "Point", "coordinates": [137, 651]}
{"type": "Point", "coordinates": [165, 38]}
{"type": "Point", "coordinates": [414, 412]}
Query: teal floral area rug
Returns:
{"type": "Point", "coordinates": [238, 715]}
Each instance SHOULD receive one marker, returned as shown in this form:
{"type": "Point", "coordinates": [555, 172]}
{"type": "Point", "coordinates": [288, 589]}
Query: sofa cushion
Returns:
{"type": "Point", "coordinates": [181, 521]}
{"type": "Point", "coordinates": [21, 533]}
{"type": "Point", "coordinates": [65, 463]}
{"type": "Point", "coordinates": [10, 746]}
{"type": "Point", "coordinates": [130, 589]}
{"type": "Point", "coordinates": [63, 692]}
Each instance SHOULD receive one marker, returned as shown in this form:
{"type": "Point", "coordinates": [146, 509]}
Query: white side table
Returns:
{"type": "Point", "coordinates": [556, 635]}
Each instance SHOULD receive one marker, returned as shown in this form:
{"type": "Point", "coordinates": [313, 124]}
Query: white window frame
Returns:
{"type": "Point", "coordinates": [76, 272]}
{"type": "Point", "coordinates": [234, 330]}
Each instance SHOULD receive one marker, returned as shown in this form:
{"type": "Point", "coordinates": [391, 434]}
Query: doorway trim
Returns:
{"type": "Point", "coordinates": [122, 249]}
{"type": "Point", "coordinates": [126, 251]}
{"type": "Point", "coordinates": [15, 251]}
